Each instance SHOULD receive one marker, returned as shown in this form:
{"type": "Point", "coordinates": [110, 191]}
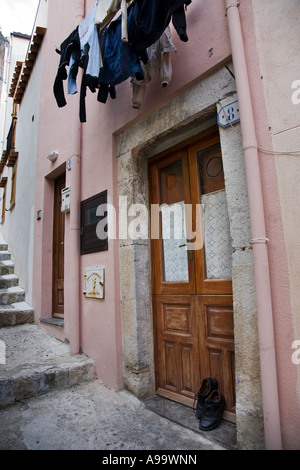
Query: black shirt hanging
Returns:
{"type": "Point", "coordinates": [150, 19]}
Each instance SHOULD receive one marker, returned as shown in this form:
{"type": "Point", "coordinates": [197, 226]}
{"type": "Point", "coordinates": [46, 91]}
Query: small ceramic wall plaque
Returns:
{"type": "Point", "coordinates": [94, 282]}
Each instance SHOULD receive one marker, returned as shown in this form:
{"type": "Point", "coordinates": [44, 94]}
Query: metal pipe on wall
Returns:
{"type": "Point", "coordinates": [75, 184]}
{"type": "Point", "coordinates": [259, 240]}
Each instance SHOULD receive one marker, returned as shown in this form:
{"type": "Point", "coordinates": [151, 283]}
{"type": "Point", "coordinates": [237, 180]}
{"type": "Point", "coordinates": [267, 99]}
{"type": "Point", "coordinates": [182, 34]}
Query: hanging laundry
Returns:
{"type": "Point", "coordinates": [89, 43]}
{"type": "Point", "coordinates": [111, 54]}
{"type": "Point", "coordinates": [70, 46]}
{"type": "Point", "coordinates": [106, 11]}
{"type": "Point", "coordinates": [150, 19]}
{"type": "Point", "coordinates": [90, 57]}
{"type": "Point", "coordinates": [159, 61]}
{"type": "Point", "coordinates": [80, 49]}
{"type": "Point", "coordinates": [105, 89]}
{"type": "Point", "coordinates": [119, 61]}
{"type": "Point", "coordinates": [89, 50]}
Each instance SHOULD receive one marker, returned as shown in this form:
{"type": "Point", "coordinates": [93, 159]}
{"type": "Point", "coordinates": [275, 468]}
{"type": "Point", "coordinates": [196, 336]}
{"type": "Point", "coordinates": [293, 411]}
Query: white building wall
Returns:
{"type": "Point", "coordinates": [18, 227]}
{"type": "Point", "coordinates": [19, 222]}
{"type": "Point", "coordinates": [16, 52]}
{"type": "Point", "coordinates": [3, 90]}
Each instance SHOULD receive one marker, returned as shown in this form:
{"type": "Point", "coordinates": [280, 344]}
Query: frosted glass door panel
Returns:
{"type": "Point", "coordinates": [217, 241]}
{"type": "Point", "coordinates": [175, 260]}
{"type": "Point", "coordinates": [218, 250]}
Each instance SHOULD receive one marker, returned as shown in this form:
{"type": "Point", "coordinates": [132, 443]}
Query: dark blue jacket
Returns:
{"type": "Point", "coordinates": [120, 61]}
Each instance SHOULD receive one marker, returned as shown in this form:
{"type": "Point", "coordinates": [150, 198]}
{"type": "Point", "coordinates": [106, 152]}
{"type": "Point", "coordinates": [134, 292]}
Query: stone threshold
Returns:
{"type": "Point", "coordinates": [224, 434]}
{"type": "Point", "coordinates": [53, 321]}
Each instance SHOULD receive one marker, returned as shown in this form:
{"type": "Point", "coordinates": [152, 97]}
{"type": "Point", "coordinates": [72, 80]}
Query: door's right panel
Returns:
{"type": "Point", "coordinates": [216, 340]}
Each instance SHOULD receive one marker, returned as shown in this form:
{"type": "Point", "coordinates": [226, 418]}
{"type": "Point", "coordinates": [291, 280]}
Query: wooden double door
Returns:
{"type": "Point", "coordinates": [191, 273]}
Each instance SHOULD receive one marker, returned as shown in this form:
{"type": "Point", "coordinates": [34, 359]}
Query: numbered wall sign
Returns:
{"type": "Point", "coordinates": [229, 114]}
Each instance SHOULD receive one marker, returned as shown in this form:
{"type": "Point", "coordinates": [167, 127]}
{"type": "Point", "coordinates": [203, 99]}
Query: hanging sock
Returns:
{"type": "Point", "coordinates": [103, 92]}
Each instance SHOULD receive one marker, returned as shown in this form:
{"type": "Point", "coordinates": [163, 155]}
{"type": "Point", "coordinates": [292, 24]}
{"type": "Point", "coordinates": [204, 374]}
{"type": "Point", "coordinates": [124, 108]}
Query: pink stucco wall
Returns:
{"type": "Point", "coordinates": [101, 320]}
{"type": "Point", "coordinates": [277, 248]}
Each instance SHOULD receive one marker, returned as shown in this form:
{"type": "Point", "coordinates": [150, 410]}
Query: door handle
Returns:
{"type": "Point", "coordinates": [190, 252]}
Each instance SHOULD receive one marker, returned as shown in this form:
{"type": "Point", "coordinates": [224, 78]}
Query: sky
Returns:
{"type": "Point", "coordinates": [17, 16]}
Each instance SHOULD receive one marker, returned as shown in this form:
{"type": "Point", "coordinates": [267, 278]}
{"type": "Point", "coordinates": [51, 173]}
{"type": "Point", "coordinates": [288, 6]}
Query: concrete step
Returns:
{"type": "Point", "coordinates": [7, 267]}
{"type": "Point", "coordinates": [12, 295]}
{"type": "Point", "coordinates": [16, 314]}
{"type": "Point", "coordinates": [5, 255]}
{"type": "Point", "coordinates": [8, 280]}
{"type": "Point", "coordinates": [36, 363]}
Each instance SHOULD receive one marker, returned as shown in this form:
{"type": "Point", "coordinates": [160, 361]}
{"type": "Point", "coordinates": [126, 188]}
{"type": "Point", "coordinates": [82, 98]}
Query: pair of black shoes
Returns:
{"type": "Point", "coordinates": [210, 404]}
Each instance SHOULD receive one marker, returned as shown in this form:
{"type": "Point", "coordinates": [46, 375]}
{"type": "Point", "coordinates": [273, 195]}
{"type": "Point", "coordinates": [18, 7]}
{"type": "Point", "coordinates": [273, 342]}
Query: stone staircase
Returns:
{"type": "Point", "coordinates": [13, 308]}
{"type": "Point", "coordinates": [33, 362]}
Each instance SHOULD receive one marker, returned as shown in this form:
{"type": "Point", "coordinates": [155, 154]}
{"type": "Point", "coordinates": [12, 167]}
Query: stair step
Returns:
{"type": "Point", "coordinates": [4, 255]}
{"type": "Point", "coordinates": [7, 267]}
{"type": "Point", "coordinates": [13, 308]}
{"type": "Point", "coordinates": [8, 280]}
{"type": "Point", "coordinates": [36, 363]}
{"type": "Point", "coordinates": [16, 314]}
{"type": "Point", "coordinates": [11, 295]}
{"type": "Point", "coordinates": [3, 244]}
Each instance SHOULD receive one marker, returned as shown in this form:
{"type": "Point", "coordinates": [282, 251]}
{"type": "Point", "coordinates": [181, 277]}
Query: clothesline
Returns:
{"type": "Point", "coordinates": [112, 50]}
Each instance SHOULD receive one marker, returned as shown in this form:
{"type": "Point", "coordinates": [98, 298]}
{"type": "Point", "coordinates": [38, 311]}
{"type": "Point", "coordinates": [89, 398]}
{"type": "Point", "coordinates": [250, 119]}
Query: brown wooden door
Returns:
{"type": "Point", "coordinates": [191, 265]}
{"type": "Point", "coordinates": [58, 250]}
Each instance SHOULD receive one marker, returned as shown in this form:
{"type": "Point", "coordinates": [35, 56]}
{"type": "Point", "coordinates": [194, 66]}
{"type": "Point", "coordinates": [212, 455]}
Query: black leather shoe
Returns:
{"type": "Point", "coordinates": [208, 385]}
{"type": "Point", "coordinates": [211, 415]}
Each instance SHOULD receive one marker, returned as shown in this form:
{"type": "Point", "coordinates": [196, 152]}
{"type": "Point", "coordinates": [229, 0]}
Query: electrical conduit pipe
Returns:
{"type": "Point", "coordinates": [259, 240]}
{"type": "Point", "coordinates": [75, 184]}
